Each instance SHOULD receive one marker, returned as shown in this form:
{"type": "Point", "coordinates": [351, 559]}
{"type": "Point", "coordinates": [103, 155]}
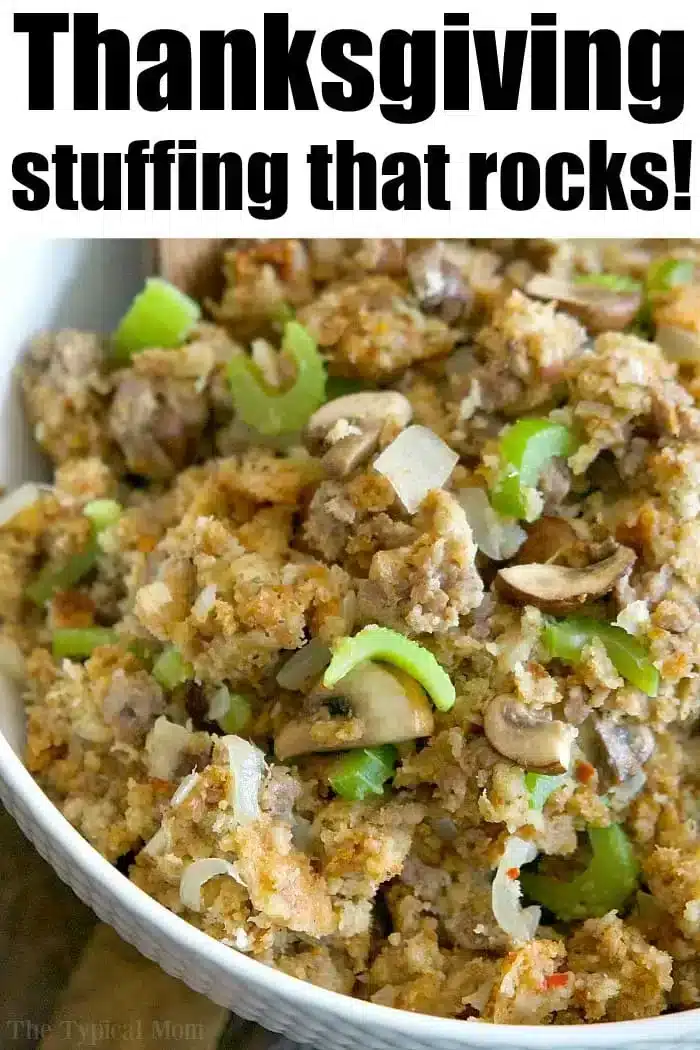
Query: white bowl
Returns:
{"type": "Point", "coordinates": [87, 283]}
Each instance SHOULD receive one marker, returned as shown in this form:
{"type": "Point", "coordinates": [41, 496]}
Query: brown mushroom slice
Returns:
{"type": "Point", "coordinates": [349, 427]}
{"type": "Point", "coordinates": [560, 589]}
{"type": "Point", "coordinates": [350, 451]}
{"type": "Point", "coordinates": [547, 539]}
{"type": "Point", "coordinates": [438, 283]}
{"type": "Point", "coordinates": [367, 407]}
{"type": "Point", "coordinates": [529, 737]}
{"type": "Point", "coordinates": [626, 746]}
{"type": "Point", "coordinates": [390, 706]}
{"type": "Point", "coordinates": [600, 309]}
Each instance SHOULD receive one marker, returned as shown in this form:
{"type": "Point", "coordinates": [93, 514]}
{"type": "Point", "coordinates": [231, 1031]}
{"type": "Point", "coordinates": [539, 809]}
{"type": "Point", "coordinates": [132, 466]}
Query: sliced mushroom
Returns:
{"type": "Point", "coordinates": [626, 746]}
{"type": "Point", "coordinates": [349, 451]}
{"type": "Point", "coordinates": [560, 589]}
{"type": "Point", "coordinates": [351, 425]}
{"type": "Point", "coordinates": [389, 705]}
{"type": "Point", "coordinates": [531, 738]}
{"type": "Point", "coordinates": [547, 539]}
{"type": "Point", "coordinates": [600, 309]}
{"type": "Point", "coordinates": [438, 283]}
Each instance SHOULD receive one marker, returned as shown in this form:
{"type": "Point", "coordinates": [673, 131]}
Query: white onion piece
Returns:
{"type": "Point", "coordinates": [11, 660]}
{"type": "Point", "coordinates": [302, 669]}
{"type": "Point", "coordinates": [519, 923]}
{"type": "Point", "coordinates": [197, 873]}
{"type": "Point", "coordinates": [247, 766]}
{"type": "Point", "coordinates": [164, 747]}
{"type": "Point", "coordinates": [219, 704]}
{"type": "Point", "coordinates": [158, 843]}
{"type": "Point", "coordinates": [15, 502]}
{"type": "Point", "coordinates": [678, 344]}
{"type": "Point", "coordinates": [416, 462]}
{"type": "Point", "coordinates": [496, 537]}
{"type": "Point", "coordinates": [205, 601]}
{"type": "Point", "coordinates": [622, 794]}
{"type": "Point", "coordinates": [184, 789]}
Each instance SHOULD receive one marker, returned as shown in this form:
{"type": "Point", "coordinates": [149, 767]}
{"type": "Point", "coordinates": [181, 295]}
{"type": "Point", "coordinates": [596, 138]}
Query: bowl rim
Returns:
{"type": "Point", "coordinates": [149, 912]}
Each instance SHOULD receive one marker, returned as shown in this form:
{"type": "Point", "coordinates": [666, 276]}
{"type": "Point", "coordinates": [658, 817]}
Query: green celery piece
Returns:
{"type": "Point", "coordinates": [102, 513]}
{"type": "Point", "coordinates": [273, 413]}
{"type": "Point", "coordinates": [380, 643]}
{"type": "Point", "coordinates": [363, 772]}
{"type": "Point", "coordinates": [525, 449]}
{"type": "Point", "coordinates": [77, 643]}
{"type": "Point", "coordinates": [171, 669]}
{"type": "Point", "coordinates": [609, 880]}
{"type": "Point", "coordinates": [666, 274]}
{"type": "Point", "coordinates": [54, 578]}
{"type": "Point", "coordinates": [238, 715]}
{"type": "Point", "coordinates": [565, 640]}
{"type": "Point", "coordinates": [613, 282]}
{"type": "Point", "coordinates": [160, 316]}
{"type": "Point", "coordinates": [541, 785]}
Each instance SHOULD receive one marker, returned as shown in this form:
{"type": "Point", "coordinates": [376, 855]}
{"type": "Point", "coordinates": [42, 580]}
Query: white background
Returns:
{"type": "Point", "coordinates": [539, 133]}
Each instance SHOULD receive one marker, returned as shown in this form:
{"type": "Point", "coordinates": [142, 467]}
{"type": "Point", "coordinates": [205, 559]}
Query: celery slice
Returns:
{"type": "Point", "coordinates": [363, 772]}
{"type": "Point", "coordinates": [160, 316]}
{"type": "Point", "coordinates": [102, 513]}
{"type": "Point", "coordinates": [525, 449]}
{"type": "Point", "coordinates": [379, 643]}
{"type": "Point", "coordinates": [566, 639]}
{"type": "Point", "coordinates": [54, 578]}
{"type": "Point", "coordinates": [612, 282]}
{"type": "Point", "coordinates": [238, 716]}
{"type": "Point", "coordinates": [605, 885]}
{"type": "Point", "coordinates": [541, 785]}
{"type": "Point", "coordinates": [273, 413]}
{"type": "Point", "coordinates": [77, 643]}
{"type": "Point", "coordinates": [171, 669]}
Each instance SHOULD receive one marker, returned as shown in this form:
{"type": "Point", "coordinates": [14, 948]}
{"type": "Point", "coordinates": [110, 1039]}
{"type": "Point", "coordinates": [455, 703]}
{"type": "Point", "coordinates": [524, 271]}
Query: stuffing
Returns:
{"type": "Point", "coordinates": [408, 781]}
{"type": "Point", "coordinates": [428, 586]}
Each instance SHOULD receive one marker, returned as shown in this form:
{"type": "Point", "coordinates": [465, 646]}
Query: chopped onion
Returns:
{"type": "Point", "coordinates": [11, 659]}
{"type": "Point", "coordinates": [240, 941]}
{"type": "Point", "coordinates": [197, 873]}
{"type": "Point", "coordinates": [519, 923]}
{"type": "Point", "coordinates": [164, 747]}
{"type": "Point", "coordinates": [247, 767]}
{"type": "Point", "coordinates": [185, 788]}
{"type": "Point", "coordinates": [15, 502]}
{"type": "Point", "coordinates": [158, 843]}
{"type": "Point", "coordinates": [205, 601]}
{"type": "Point", "coordinates": [679, 344]}
{"type": "Point", "coordinates": [496, 537]}
{"type": "Point", "coordinates": [301, 670]}
{"type": "Point", "coordinates": [219, 704]}
{"type": "Point", "coordinates": [622, 794]}
{"type": "Point", "coordinates": [416, 462]}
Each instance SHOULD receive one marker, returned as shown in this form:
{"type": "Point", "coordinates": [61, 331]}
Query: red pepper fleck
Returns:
{"type": "Point", "coordinates": [584, 772]}
{"type": "Point", "coordinates": [556, 980]}
{"type": "Point", "coordinates": [513, 873]}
